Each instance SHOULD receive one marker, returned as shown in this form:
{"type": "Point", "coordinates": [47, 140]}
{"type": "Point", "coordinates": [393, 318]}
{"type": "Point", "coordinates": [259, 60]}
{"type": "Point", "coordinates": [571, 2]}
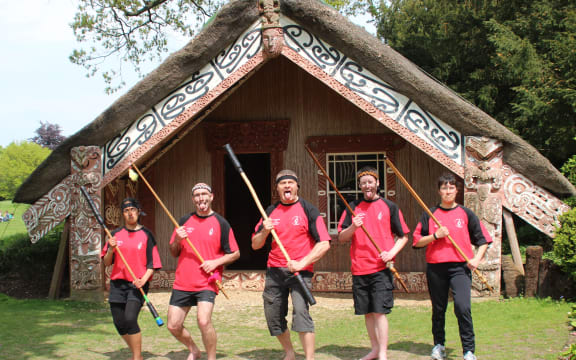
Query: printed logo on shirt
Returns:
{"type": "Point", "coordinates": [211, 231]}
{"type": "Point", "coordinates": [296, 221]}
{"type": "Point", "coordinates": [275, 222]}
{"type": "Point", "coordinates": [140, 245]}
{"type": "Point", "coordinates": [189, 230]}
{"type": "Point", "coordinates": [119, 242]}
{"type": "Point", "coordinates": [380, 216]}
{"type": "Point", "coordinates": [459, 223]}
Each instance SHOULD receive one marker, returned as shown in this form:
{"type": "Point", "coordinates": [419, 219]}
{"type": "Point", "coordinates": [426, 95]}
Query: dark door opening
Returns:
{"type": "Point", "coordinates": [241, 210]}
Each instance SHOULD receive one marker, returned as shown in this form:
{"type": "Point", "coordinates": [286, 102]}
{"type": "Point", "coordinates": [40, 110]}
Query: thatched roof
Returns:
{"type": "Point", "coordinates": [325, 22]}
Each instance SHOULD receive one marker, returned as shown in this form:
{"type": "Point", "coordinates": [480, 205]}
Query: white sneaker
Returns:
{"type": "Point", "coordinates": [438, 352]}
{"type": "Point", "coordinates": [469, 356]}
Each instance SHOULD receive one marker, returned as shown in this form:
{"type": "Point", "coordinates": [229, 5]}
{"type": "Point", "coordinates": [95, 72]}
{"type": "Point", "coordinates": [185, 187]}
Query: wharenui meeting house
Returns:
{"type": "Point", "coordinates": [270, 78]}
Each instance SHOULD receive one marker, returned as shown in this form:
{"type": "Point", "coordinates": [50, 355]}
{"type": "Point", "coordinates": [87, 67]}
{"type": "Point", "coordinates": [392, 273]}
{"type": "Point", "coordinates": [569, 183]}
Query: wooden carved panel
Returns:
{"type": "Point", "coordinates": [85, 232]}
{"type": "Point", "coordinates": [530, 202]}
{"type": "Point", "coordinates": [483, 195]}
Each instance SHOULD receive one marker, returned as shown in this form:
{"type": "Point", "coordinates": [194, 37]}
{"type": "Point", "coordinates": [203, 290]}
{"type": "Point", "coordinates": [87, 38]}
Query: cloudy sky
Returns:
{"type": "Point", "coordinates": [37, 81]}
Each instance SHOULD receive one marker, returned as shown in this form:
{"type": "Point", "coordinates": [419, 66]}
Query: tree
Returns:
{"type": "Point", "coordinates": [48, 135]}
{"type": "Point", "coordinates": [17, 161]}
{"type": "Point", "coordinates": [137, 31]}
{"type": "Point", "coordinates": [513, 59]}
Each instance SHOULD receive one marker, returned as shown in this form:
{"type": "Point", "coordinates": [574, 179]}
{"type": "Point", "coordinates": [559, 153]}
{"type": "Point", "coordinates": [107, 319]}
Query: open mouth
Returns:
{"type": "Point", "coordinates": [288, 195]}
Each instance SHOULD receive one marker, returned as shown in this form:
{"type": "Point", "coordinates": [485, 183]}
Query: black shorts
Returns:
{"type": "Point", "coordinates": [191, 298]}
{"type": "Point", "coordinates": [122, 291]}
{"type": "Point", "coordinates": [373, 293]}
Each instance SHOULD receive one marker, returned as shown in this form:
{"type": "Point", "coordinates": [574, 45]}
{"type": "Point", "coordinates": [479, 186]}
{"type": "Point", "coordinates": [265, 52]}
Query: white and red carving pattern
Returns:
{"type": "Point", "coordinates": [49, 211]}
{"type": "Point", "coordinates": [174, 126]}
{"type": "Point", "coordinates": [373, 111]}
{"type": "Point", "coordinates": [530, 202]}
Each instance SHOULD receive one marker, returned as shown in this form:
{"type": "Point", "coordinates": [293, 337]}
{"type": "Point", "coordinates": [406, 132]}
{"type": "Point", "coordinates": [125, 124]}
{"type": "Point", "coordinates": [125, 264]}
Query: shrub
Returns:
{"type": "Point", "coordinates": [565, 243]}
{"type": "Point", "coordinates": [30, 260]}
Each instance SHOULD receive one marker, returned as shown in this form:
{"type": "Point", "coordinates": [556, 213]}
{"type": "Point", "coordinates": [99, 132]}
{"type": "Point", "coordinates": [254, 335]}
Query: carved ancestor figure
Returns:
{"type": "Point", "coordinates": [272, 34]}
{"type": "Point", "coordinates": [483, 184]}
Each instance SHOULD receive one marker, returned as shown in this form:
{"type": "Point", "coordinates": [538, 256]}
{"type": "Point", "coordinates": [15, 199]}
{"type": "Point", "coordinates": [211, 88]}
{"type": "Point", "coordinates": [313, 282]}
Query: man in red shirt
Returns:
{"type": "Point", "coordinates": [194, 285]}
{"type": "Point", "coordinates": [372, 281]}
{"type": "Point", "coordinates": [303, 234]}
{"type": "Point", "coordinates": [446, 268]}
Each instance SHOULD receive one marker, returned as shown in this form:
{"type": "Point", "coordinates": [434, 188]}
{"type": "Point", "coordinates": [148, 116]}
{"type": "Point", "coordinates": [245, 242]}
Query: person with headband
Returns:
{"type": "Point", "coordinates": [372, 282]}
{"type": "Point", "coordinates": [214, 239]}
{"type": "Point", "coordinates": [303, 234]}
{"type": "Point", "coordinates": [446, 269]}
{"type": "Point", "coordinates": [141, 253]}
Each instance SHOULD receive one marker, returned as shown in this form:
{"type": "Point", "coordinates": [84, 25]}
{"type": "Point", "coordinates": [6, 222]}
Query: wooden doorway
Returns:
{"type": "Point", "coordinates": [241, 210]}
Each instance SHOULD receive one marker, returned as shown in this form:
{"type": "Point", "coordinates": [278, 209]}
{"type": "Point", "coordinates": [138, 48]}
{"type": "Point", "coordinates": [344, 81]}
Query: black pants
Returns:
{"type": "Point", "coordinates": [456, 276]}
{"type": "Point", "coordinates": [125, 316]}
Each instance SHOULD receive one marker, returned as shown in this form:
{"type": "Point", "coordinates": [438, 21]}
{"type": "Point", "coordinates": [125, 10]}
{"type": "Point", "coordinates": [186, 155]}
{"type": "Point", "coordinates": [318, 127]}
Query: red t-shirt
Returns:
{"type": "Point", "coordinates": [383, 219]}
{"type": "Point", "coordinates": [212, 237]}
{"type": "Point", "coordinates": [299, 227]}
{"type": "Point", "coordinates": [465, 229]}
{"type": "Point", "coordinates": [139, 249]}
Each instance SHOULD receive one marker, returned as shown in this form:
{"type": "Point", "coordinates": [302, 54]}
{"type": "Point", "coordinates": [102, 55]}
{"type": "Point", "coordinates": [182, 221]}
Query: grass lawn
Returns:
{"type": "Point", "coordinates": [510, 329]}
{"type": "Point", "coordinates": [14, 226]}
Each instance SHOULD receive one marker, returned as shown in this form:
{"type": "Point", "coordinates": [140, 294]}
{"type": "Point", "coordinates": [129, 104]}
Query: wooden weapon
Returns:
{"type": "Point", "coordinates": [151, 307]}
{"type": "Point", "coordinates": [391, 263]}
{"type": "Point", "coordinates": [236, 163]}
{"type": "Point", "coordinates": [218, 284]}
{"type": "Point", "coordinates": [427, 210]}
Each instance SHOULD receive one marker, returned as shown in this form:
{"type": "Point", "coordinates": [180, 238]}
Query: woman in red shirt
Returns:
{"type": "Point", "coordinates": [139, 249]}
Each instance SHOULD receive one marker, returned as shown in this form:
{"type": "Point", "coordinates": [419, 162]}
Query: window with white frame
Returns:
{"type": "Point", "coordinates": [342, 168]}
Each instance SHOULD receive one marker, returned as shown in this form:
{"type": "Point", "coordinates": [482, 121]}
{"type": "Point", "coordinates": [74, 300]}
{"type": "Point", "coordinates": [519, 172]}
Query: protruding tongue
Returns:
{"type": "Point", "coordinates": [202, 207]}
{"type": "Point", "coordinates": [288, 195]}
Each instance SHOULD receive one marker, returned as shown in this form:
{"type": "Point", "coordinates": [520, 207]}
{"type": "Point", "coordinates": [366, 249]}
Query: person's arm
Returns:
{"type": "Point", "coordinates": [109, 257]}
{"type": "Point", "coordinates": [176, 245]}
{"type": "Point", "coordinates": [477, 259]}
{"type": "Point", "coordinates": [427, 239]}
{"type": "Point", "coordinates": [398, 245]}
{"type": "Point", "coordinates": [144, 279]}
{"type": "Point", "coordinates": [211, 265]}
{"type": "Point", "coordinates": [259, 239]}
{"type": "Point", "coordinates": [319, 249]}
{"type": "Point", "coordinates": [348, 233]}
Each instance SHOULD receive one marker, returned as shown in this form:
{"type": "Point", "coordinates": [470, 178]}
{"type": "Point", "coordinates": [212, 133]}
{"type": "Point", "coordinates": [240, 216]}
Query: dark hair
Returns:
{"type": "Point", "coordinates": [367, 170]}
{"type": "Point", "coordinates": [130, 202]}
{"type": "Point", "coordinates": [446, 178]}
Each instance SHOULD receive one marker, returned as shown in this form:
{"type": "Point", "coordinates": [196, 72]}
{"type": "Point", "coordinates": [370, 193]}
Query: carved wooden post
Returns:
{"type": "Point", "coordinates": [483, 195]}
{"type": "Point", "coordinates": [533, 259]}
{"type": "Point", "coordinates": [85, 232]}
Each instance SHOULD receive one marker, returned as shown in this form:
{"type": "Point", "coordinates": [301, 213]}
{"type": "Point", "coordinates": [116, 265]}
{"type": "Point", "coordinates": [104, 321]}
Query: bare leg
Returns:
{"type": "Point", "coordinates": [307, 339]}
{"type": "Point", "coordinates": [134, 342]}
{"type": "Point", "coordinates": [176, 317]}
{"type": "Point", "coordinates": [209, 337]}
{"type": "Point", "coordinates": [377, 327]}
{"type": "Point", "coordinates": [286, 343]}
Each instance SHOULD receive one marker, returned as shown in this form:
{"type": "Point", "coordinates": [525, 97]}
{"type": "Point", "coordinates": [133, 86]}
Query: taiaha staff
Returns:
{"type": "Point", "coordinates": [423, 205]}
{"type": "Point", "coordinates": [236, 163]}
{"type": "Point", "coordinates": [391, 263]}
{"type": "Point", "coordinates": [151, 307]}
{"type": "Point", "coordinates": [212, 276]}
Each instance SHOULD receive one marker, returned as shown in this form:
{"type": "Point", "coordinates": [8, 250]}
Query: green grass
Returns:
{"type": "Point", "coordinates": [15, 226]}
{"type": "Point", "coordinates": [511, 329]}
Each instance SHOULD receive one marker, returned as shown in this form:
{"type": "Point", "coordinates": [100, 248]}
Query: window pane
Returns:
{"type": "Point", "coordinates": [342, 169]}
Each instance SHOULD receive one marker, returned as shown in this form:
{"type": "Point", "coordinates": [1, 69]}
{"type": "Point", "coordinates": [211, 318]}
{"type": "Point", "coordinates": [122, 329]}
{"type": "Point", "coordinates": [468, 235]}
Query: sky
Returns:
{"type": "Point", "coordinates": [37, 81]}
